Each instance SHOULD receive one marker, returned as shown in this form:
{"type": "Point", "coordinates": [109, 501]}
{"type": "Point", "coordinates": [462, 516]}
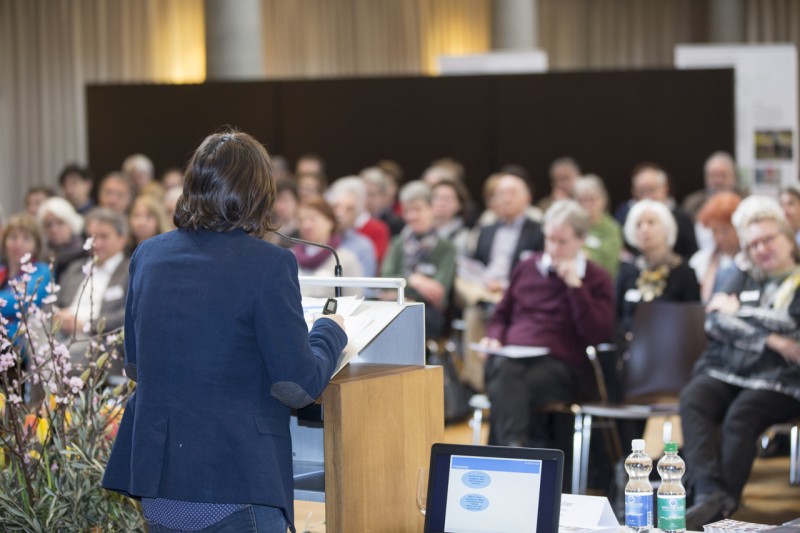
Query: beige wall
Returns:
{"type": "Point", "coordinates": [50, 50]}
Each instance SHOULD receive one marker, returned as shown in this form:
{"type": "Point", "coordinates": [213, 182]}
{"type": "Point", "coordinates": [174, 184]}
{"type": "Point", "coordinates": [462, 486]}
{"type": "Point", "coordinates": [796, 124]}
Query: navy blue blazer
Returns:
{"type": "Point", "coordinates": [216, 340]}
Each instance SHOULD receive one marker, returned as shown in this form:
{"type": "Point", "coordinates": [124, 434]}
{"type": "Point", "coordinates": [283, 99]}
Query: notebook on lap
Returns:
{"type": "Point", "coordinates": [493, 489]}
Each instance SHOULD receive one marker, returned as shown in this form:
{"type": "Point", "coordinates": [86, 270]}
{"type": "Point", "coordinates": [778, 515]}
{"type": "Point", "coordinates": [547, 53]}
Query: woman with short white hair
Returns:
{"type": "Point", "coordinates": [658, 273]}
{"type": "Point", "coordinates": [62, 228]}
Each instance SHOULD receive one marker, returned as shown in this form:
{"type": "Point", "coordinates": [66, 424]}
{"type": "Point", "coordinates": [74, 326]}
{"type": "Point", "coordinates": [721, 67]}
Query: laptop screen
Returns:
{"type": "Point", "coordinates": [492, 489]}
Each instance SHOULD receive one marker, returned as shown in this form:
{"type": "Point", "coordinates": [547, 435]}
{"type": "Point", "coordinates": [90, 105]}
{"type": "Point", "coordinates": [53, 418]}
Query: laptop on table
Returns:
{"type": "Point", "coordinates": [493, 489]}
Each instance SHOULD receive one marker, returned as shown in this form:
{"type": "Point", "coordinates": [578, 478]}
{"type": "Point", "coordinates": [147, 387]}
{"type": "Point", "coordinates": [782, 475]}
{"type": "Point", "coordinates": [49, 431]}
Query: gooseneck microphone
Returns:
{"type": "Point", "coordinates": [337, 270]}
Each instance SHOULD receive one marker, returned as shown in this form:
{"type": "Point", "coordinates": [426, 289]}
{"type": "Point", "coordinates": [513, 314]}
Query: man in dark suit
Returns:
{"type": "Point", "coordinates": [500, 246]}
{"type": "Point", "coordinates": [105, 286]}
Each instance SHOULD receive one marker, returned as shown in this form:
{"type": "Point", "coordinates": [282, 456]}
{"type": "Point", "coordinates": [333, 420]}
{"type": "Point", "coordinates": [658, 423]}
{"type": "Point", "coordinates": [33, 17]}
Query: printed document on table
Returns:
{"type": "Point", "coordinates": [511, 351]}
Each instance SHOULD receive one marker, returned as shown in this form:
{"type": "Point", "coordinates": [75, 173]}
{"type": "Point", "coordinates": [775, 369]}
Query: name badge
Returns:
{"type": "Point", "coordinates": [113, 293]}
{"type": "Point", "coordinates": [633, 295]}
{"type": "Point", "coordinates": [593, 242]}
{"type": "Point", "coordinates": [427, 269]}
{"type": "Point", "coordinates": [749, 296]}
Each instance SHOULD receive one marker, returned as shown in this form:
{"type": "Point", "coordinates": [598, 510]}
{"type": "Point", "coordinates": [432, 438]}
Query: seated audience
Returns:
{"type": "Point", "coordinates": [395, 178]}
{"type": "Point", "coordinates": [310, 164]}
{"type": "Point", "coordinates": [115, 192]}
{"type": "Point", "coordinates": [84, 298]}
{"type": "Point", "coordinates": [139, 169]}
{"type": "Point", "coordinates": [557, 300]}
{"type": "Point", "coordinates": [317, 223]}
{"type": "Point", "coordinates": [719, 174]}
{"type": "Point", "coordinates": [603, 242]}
{"type": "Point", "coordinates": [171, 203]}
{"type": "Point", "coordinates": [62, 228]}
{"type": "Point", "coordinates": [310, 185]}
{"type": "Point", "coordinates": [423, 258]}
{"type": "Point", "coordinates": [76, 183]}
{"type": "Point", "coordinates": [563, 172]}
{"type": "Point", "coordinates": [658, 273]}
{"type": "Point", "coordinates": [714, 266]}
{"type": "Point", "coordinates": [20, 240]}
{"type": "Point", "coordinates": [380, 199]}
{"type": "Point", "coordinates": [499, 247]}
{"type": "Point", "coordinates": [172, 178]}
{"type": "Point", "coordinates": [790, 203]}
{"type": "Point", "coordinates": [449, 200]}
{"type": "Point", "coordinates": [347, 197]}
{"type": "Point", "coordinates": [35, 196]}
{"type": "Point", "coordinates": [749, 376]}
{"type": "Point", "coordinates": [357, 215]}
{"type": "Point", "coordinates": [650, 182]}
{"type": "Point", "coordinates": [284, 213]}
{"type": "Point", "coordinates": [147, 219]}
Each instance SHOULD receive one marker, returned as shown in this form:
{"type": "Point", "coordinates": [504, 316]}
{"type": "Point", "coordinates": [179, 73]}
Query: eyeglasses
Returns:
{"type": "Point", "coordinates": [766, 241]}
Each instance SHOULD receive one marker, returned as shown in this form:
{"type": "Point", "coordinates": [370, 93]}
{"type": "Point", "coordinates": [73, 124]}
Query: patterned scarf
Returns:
{"type": "Point", "coordinates": [652, 279]}
{"type": "Point", "coordinates": [416, 248]}
{"type": "Point", "coordinates": [785, 293]}
{"type": "Point", "coordinates": [308, 261]}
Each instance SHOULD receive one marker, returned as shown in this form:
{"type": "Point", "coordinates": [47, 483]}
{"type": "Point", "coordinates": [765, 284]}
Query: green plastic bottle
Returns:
{"type": "Point", "coordinates": [671, 501]}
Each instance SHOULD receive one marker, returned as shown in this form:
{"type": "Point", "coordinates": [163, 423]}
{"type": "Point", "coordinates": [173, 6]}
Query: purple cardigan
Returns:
{"type": "Point", "coordinates": [541, 310]}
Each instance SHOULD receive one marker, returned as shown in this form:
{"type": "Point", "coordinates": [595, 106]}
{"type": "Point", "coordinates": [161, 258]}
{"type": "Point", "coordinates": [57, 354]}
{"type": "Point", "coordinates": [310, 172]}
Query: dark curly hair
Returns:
{"type": "Point", "coordinates": [229, 184]}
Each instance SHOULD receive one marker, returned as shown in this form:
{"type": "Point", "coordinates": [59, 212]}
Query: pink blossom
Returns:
{"type": "Point", "coordinates": [25, 259]}
{"type": "Point", "coordinates": [87, 267]}
{"type": "Point", "coordinates": [52, 287]}
{"type": "Point", "coordinates": [15, 399]}
{"type": "Point", "coordinates": [76, 384]}
{"type": "Point", "coordinates": [28, 268]}
{"type": "Point", "coordinates": [49, 299]}
{"type": "Point", "coordinates": [88, 244]}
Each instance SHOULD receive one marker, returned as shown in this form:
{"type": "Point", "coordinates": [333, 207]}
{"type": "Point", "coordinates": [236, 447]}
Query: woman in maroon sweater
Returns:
{"type": "Point", "coordinates": [557, 300]}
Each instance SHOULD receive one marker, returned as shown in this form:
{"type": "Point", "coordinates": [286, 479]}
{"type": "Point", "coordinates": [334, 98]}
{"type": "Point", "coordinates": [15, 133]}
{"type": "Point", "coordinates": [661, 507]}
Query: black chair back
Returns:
{"type": "Point", "coordinates": [668, 338]}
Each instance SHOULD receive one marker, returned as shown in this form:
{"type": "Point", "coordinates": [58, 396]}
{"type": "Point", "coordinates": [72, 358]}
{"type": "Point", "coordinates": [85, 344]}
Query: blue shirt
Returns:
{"type": "Point", "coordinates": [37, 287]}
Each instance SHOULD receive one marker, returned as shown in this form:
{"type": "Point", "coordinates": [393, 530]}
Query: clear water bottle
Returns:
{"type": "Point", "coordinates": [671, 494]}
{"type": "Point", "coordinates": [638, 491]}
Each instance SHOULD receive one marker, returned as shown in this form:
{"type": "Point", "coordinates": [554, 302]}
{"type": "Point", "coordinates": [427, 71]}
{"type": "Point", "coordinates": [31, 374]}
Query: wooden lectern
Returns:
{"type": "Point", "coordinates": [359, 448]}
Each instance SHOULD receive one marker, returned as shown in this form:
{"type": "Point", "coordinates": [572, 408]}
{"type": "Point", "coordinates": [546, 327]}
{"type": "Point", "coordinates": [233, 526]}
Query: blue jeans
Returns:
{"type": "Point", "coordinates": [251, 519]}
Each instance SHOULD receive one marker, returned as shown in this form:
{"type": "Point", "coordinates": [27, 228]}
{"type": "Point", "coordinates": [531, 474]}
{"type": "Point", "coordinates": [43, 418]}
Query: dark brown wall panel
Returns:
{"type": "Point", "coordinates": [609, 121]}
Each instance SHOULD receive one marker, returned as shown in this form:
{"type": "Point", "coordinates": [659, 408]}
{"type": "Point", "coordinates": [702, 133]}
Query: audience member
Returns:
{"type": "Point", "coordinates": [603, 242]}
{"type": "Point", "coordinates": [652, 183]}
{"type": "Point", "coordinates": [714, 266]}
{"type": "Point", "coordinates": [171, 203]}
{"type": "Point", "coordinates": [557, 300]}
{"type": "Point", "coordinates": [395, 178]}
{"type": "Point", "coordinates": [172, 178]}
{"type": "Point", "coordinates": [280, 168]}
{"type": "Point", "coordinates": [317, 223]}
{"type": "Point", "coordinates": [76, 183]}
{"type": "Point", "coordinates": [449, 200]}
{"type": "Point", "coordinates": [749, 376]}
{"type": "Point", "coordinates": [86, 298]}
{"type": "Point", "coordinates": [499, 247]}
{"type": "Point", "coordinates": [347, 197]}
{"type": "Point", "coordinates": [284, 213]}
{"type": "Point", "coordinates": [380, 200]}
{"type": "Point", "coordinates": [139, 169]}
{"type": "Point", "coordinates": [658, 273]}
{"type": "Point", "coordinates": [563, 172]}
{"type": "Point", "coordinates": [35, 196]}
{"type": "Point", "coordinates": [154, 189]}
{"type": "Point", "coordinates": [353, 209]}
{"type": "Point", "coordinates": [423, 258]}
{"type": "Point", "coordinates": [790, 203]}
{"type": "Point", "coordinates": [20, 240]}
{"type": "Point", "coordinates": [147, 219]}
{"type": "Point", "coordinates": [310, 164]}
{"type": "Point", "coordinates": [62, 228]}
{"type": "Point", "coordinates": [719, 174]}
{"type": "Point", "coordinates": [310, 185]}
{"type": "Point", "coordinates": [115, 192]}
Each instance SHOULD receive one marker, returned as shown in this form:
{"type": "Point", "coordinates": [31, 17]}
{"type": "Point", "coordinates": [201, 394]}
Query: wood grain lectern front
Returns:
{"type": "Point", "coordinates": [360, 446]}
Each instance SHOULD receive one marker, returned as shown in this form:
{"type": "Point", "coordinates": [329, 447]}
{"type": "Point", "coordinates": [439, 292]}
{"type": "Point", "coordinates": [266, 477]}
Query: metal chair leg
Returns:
{"type": "Point", "coordinates": [476, 422]}
{"type": "Point", "coordinates": [577, 446]}
{"type": "Point", "coordinates": [794, 459]}
{"type": "Point", "coordinates": [587, 440]}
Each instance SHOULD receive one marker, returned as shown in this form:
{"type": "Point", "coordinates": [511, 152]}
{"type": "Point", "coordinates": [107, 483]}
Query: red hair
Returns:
{"type": "Point", "coordinates": [719, 208]}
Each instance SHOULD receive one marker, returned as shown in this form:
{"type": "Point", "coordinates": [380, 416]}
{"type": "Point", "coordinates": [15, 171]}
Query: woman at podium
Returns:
{"type": "Point", "coordinates": [216, 340]}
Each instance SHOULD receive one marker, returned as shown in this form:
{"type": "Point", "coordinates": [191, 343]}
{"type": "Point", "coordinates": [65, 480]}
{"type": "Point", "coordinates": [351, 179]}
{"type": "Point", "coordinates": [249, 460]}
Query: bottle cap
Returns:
{"type": "Point", "coordinates": [637, 445]}
{"type": "Point", "coordinates": [671, 447]}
